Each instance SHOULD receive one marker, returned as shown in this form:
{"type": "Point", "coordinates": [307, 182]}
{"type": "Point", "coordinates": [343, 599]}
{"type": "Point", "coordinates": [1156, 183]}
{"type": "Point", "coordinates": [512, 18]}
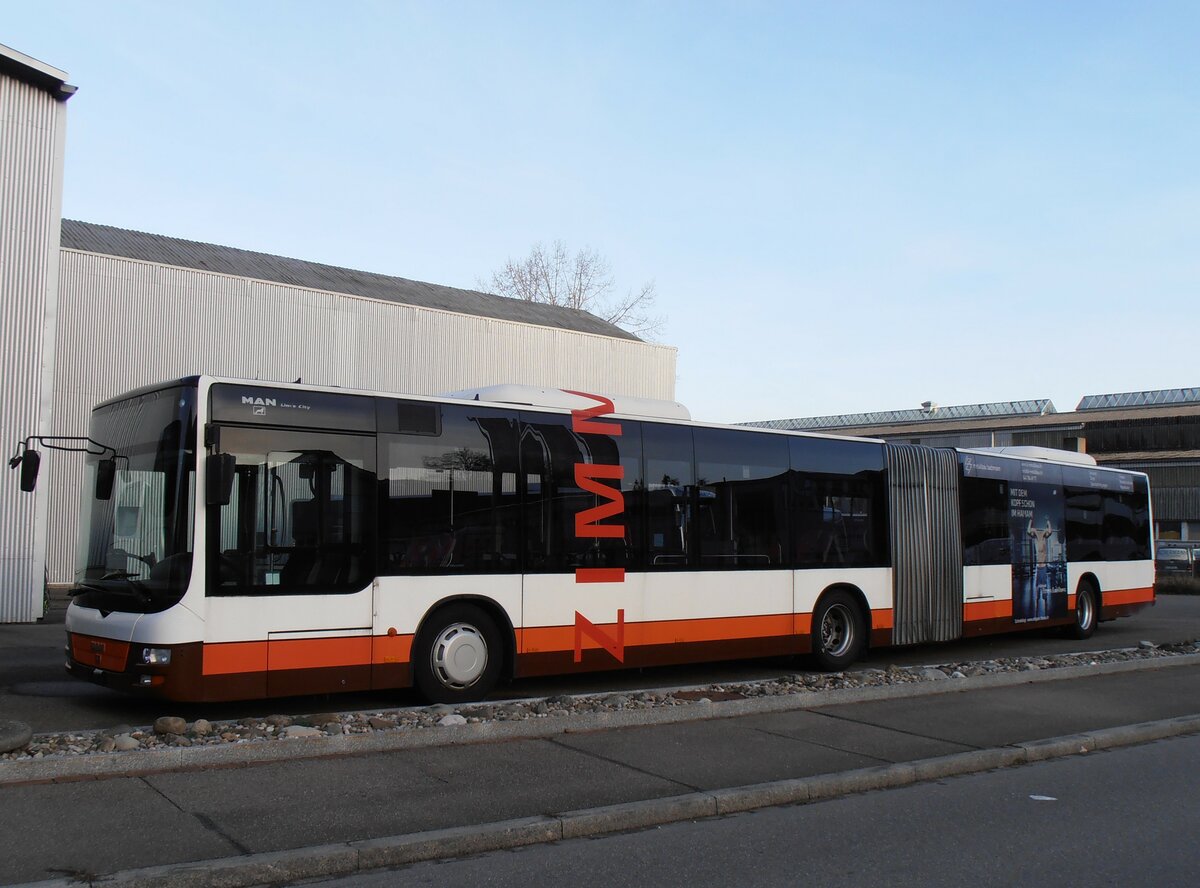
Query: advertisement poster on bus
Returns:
{"type": "Point", "coordinates": [1036, 523]}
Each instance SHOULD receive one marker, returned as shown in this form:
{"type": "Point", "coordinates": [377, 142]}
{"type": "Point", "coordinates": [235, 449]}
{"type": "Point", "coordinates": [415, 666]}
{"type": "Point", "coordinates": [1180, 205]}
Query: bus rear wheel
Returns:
{"type": "Point", "coordinates": [838, 632]}
{"type": "Point", "coordinates": [458, 655]}
{"type": "Point", "coordinates": [1086, 607]}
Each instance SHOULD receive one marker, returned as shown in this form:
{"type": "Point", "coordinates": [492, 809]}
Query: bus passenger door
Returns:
{"type": "Point", "coordinates": [291, 563]}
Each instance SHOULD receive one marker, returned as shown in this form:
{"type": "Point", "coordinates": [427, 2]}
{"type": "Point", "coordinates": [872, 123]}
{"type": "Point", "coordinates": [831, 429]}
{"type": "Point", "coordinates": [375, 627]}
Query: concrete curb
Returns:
{"type": "Point", "coordinates": [137, 763]}
{"type": "Point", "coordinates": [13, 735]}
{"type": "Point", "coordinates": [279, 867]}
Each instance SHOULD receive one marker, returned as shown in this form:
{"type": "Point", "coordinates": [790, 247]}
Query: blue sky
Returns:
{"type": "Point", "coordinates": [845, 206]}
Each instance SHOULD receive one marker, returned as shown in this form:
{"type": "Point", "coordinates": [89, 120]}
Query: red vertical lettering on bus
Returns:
{"type": "Point", "coordinates": [584, 626]}
{"type": "Point", "coordinates": [591, 477]}
{"type": "Point", "coordinates": [599, 574]}
{"type": "Point", "coordinates": [585, 521]}
{"type": "Point", "coordinates": [583, 421]}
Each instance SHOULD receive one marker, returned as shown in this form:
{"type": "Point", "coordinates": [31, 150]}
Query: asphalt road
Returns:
{"type": "Point", "coordinates": [1123, 817]}
{"type": "Point", "coordinates": [320, 810]}
{"type": "Point", "coordinates": [34, 688]}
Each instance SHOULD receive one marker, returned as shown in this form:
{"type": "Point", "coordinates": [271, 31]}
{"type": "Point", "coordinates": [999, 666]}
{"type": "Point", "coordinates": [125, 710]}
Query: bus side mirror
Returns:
{"type": "Point", "coordinates": [106, 474]}
{"type": "Point", "coordinates": [220, 469]}
{"type": "Point", "coordinates": [31, 460]}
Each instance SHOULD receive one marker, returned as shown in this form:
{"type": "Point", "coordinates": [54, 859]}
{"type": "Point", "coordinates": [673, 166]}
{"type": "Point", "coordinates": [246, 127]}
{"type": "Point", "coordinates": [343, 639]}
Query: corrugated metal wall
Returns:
{"type": "Point", "coordinates": [125, 323]}
{"type": "Point", "coordinates": [1174, 487]}
{"type": "Point", "coordinates": [32, 129]}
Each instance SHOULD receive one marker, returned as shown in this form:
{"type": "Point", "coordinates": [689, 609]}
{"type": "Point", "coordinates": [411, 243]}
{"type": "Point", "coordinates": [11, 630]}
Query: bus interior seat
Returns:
{"type": "Point", "coordinates": [300, 569]}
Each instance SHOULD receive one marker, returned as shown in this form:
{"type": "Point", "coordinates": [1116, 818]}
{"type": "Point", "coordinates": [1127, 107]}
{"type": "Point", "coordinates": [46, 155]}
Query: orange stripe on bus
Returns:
{"type": "Point", "coordinates": [1126, 596]}
{"type": "Point", "coordinates": [233, 657]}
{"type": "Point", "coordinates": [542, 639]}
{"type": "Point", "coordinates": [316, 653]}
{"type": "Point", "coordinates": [987, 610]}
{"type": "Point", "coordinates": [391, 648]}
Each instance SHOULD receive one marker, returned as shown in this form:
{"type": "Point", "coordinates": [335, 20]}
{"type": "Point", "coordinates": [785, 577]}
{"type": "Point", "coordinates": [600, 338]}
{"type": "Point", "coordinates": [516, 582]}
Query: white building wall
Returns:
{"type": "Point", "coordinates": [125, 323]}
{"type": "Point", "coordinates": [32, 134]}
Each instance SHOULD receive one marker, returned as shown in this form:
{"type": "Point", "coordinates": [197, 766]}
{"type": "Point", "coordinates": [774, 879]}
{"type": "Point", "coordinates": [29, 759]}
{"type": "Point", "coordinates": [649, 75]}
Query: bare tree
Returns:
{"type": "Point", "coordinates": [582, 281]}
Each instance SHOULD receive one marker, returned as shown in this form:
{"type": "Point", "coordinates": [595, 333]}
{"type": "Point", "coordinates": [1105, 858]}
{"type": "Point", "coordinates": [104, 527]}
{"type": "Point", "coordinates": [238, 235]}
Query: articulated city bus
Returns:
{"type": "Point", "coordinates": [249, 539]}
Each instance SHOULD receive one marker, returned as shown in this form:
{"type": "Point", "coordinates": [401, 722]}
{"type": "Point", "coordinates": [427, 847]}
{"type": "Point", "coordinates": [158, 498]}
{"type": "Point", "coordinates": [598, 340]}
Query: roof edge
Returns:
{"type": "Point", "coordinates": [144, 246]}
{"type": "Point", "coordinates": [29, 70]}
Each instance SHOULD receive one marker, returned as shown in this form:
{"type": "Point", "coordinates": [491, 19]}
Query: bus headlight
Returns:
{"type": "Point", "coordinates": [156, 656]}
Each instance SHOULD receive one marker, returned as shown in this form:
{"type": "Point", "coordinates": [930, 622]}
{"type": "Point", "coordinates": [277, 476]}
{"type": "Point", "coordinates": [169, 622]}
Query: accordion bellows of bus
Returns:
{"type": "Point", "coordinates": [248, 539]}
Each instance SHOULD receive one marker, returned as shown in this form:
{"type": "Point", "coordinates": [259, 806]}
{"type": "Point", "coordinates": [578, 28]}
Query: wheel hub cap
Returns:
{"type": "Point", "coordinates": [459, 656]}
{"type": "Point", "coordinates": [836, 630]}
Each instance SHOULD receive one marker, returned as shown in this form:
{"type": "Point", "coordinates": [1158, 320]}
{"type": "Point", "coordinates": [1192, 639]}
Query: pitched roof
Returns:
{"type": "Point", "coordinates": [929, 413]}
{"type": "Point", "coordinates": [1140, 399]}
{"type": "Point", "coordinates": [110, 241]}
{"type": "Point", "coordinates": [38, 74]}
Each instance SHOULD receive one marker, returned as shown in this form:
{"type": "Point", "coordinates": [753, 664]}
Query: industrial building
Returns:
{"type": "Point", "coordinates": [90, 311]}
{"type": "Point", "coordinates": [1156, 432]}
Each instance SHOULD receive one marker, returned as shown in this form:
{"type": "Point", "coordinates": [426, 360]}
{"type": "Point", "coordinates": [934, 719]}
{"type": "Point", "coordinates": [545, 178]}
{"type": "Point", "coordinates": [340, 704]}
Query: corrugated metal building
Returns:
{"type": "Point", "coordinates": [32, 134]}
{"type": "Point", "coordinates": [136, 308]}
{"type": "Point", "coordinates": [109, 310]}
{"type": "Point", "coordinates": [1156, 432]}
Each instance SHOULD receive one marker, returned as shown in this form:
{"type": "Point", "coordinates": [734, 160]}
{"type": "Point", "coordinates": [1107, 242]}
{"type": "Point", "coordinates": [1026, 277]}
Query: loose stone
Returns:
{"type": "Point", "coordinates": [293, 731]}
{"type": "Point", "coordinates": [170, 724]}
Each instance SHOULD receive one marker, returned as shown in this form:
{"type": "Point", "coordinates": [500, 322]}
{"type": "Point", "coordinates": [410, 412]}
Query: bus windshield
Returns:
{"type": "Point", "coordinates": [135, 550]}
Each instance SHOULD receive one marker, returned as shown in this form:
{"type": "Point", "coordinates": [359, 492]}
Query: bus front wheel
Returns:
{"type": "Point", "coordinates": [458, 655]}
{"type": "Point", "coordinates": [838, 632]}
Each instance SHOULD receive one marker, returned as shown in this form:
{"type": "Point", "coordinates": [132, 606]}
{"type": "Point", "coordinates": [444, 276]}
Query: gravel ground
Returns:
{"type": "Point", "coordinates": [170, 730]}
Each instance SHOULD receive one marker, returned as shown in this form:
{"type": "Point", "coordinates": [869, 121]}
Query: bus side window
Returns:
{"type": "Point", "coordinates": [301, 517]}
{"type": "Point", "coordinates": [983, 505]}
{"type": "Point", "coordinates": [742, 480]}
{"type": "Point", "coordinates": [1085, 514]}
{"type": "Point", "coordinates": [567, 525]}
{"type": "Point", "coordinates": [838, 503]}
{"type": "Point", "coordinates": [669, 494]}
{"type": "Point", "coordinates": [450, 502]}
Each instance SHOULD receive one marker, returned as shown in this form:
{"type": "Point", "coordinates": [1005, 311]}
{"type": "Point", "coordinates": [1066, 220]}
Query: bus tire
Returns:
{"type": "Point", "coordinates": [838, 631]}
{"type": "Point", "coordinates": [458, 655]}
{"type": "Point", "coordinates": [1087, 611]}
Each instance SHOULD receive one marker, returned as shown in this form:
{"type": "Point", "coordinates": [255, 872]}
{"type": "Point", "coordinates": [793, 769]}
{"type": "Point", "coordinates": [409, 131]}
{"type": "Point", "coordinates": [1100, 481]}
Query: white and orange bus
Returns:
{"type": "Point", "coordinates": [247, 539]}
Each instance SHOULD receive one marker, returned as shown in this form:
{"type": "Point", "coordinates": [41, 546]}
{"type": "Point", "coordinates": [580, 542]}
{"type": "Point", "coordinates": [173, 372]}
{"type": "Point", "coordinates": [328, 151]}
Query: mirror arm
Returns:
{"type": "Point", "coordinates": [31, 459]}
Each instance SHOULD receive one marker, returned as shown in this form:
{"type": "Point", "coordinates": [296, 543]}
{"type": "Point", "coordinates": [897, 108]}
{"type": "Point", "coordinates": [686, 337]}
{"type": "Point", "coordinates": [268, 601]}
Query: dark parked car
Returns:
{"type": "Point", "coordinates": [1174, 563]}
